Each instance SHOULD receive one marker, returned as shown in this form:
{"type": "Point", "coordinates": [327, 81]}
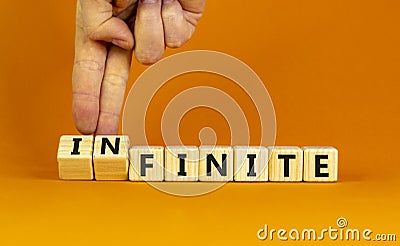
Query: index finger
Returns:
{"type": "Point", "coordinates": [90, 57]}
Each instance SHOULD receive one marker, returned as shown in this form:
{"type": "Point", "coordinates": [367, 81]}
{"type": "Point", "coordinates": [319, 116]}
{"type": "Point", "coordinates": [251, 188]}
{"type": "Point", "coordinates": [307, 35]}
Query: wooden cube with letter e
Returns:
{"type": "Point", "coordinates": [320, 164]}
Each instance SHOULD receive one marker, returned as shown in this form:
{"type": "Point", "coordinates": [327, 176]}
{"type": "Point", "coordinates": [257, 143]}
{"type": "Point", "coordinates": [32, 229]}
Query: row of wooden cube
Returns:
{"type": "Point", "coordinates": [111, 158]}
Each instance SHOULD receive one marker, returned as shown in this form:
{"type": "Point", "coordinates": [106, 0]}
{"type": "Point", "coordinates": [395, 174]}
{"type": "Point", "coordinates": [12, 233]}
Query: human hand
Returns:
{"type": "Point", "coordinates": [106, 34]}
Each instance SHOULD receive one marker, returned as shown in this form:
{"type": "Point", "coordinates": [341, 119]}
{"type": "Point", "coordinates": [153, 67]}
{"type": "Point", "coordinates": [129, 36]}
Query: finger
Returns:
{"type": "Point", "coordinates": [100, 25]}
{"type": "Point", "coordinates": [149, 32]}
{"type": "Point", "coordinates": [129, 14]}
{"type": "Point", "coordinates": [177, 30]}
{"type": "Point", "coordinates": [193, 10]}
{"type": "Point", "coordinates": [113, 90]}
{"type": "Point", "coordinates": [119, 6]}
{"type": "Point", "coordinates": [115, 31]}
{"type": "Point", "coordinates": [193, 6]}
{"type": "Point", "coordinates": [87, 75]}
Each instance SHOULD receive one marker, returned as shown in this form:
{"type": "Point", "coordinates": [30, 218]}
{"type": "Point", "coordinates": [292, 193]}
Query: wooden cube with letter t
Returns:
{"type": "Point", "coordinates": [216, 163]}
{"type": "Point", "coordinates": [250, 163]}
{"type": "Point", "coordinates": [320, 164]}
{"type": "Point", "coordinates": [285, 164]}
{"type": "Point", "coordinates": [181, 163]}
{"type": "Point", "coordinates": [146, 163]}
{"type": "Point", "coordinates": [110, 157]}
{"type": "Point", "coordinates": [74, 157]}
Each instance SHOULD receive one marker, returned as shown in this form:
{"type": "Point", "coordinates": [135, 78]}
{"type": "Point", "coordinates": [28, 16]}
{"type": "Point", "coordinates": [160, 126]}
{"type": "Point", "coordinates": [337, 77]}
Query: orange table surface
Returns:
{"type": "Point", "coordinates": [331, 68]}
{"type": "Point", "coordinates": [38, 209]}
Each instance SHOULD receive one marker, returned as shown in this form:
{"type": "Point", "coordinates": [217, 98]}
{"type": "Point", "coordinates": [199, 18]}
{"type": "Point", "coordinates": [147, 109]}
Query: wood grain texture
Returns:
{"type": "Point", "coordinates": [113, 163]}
{"type": "Point", "coordinates": [75, 165]}
{"type": "Point", "coordinates": [320, 164]}
{"type": "Point", "coordinates": [146, 163]}
{"type": "Point", "coordinates": [189, 170]}
{"type": "Point", "coordinates": [250, 163]}
{"type": "Point", "coordinates": [109, 158]}
{"type": "Point", "coordinates": [224, 172]}
{"type": "Point", "coordinates": [278, 171]}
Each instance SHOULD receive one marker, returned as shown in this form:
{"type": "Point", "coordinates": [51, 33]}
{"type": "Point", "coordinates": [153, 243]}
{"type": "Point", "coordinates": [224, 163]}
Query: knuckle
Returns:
{"type": "Point", "coordinates": [171, 16]}
{"type": "Point", "coordinates": [110, 114]}
{"type": "Point", "coordinates": [91, 33]}
{"type": "Point", "coordinates": [147, 16]}
{"type": "Point", "coordinates": [115, 80]}
{"type": "Point", "coordinates": [87, 64]}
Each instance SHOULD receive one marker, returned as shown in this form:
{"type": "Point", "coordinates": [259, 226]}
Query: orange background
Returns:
{"type": "Point", "coordinates": [331, 68]}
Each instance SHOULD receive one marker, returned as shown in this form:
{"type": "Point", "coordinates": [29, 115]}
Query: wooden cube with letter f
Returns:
{"type": "Point", "coordinates": [146, 163]}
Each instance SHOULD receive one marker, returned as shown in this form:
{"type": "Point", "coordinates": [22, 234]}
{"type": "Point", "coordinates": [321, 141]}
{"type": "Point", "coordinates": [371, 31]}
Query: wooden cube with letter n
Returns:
{"type": "Point", "coordinates": [320, 164]}
{"type": "Point", "coordinates": [216, 163]}
{"type": "Point", "coordinates": [181, 163]}
{"type": "Point", "coordinates": [146, 163]}
{"type": "Point", "coordinates": [250, 163]}
{"type": "Point", "coordinates": [74, 157]}
{"type": "Point", "coordinates": [110, 157]}
{"type": "Point", "coordinates": [285, 164]}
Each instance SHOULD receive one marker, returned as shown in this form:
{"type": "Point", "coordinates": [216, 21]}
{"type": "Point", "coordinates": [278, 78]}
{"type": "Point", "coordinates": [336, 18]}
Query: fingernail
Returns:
{"type": "Point", "coordinates": [149, 1]}
{"type": "Point", "coordinates": [121, 43]}
{"type": "Point", "coordinates": [168, 1]}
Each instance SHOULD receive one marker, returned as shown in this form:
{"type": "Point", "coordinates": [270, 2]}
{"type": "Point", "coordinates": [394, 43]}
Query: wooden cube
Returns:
{"type": "Point", "coordinates": [146, 163]}
{"type": "Point", "coordinates": [250, 163]}
{"type": "Point", "coordinates": [74, 157]}
{"type": "Point", "coordinates": [110, 157]}
{"type": "Point", "coordinates": [181, 163]}
{"type": "Point", "coordinates": [285, 164]}
{"type": "Point", "coordinates": [216, 163]}
{"type": "Point", "coordinates": [320, 164]}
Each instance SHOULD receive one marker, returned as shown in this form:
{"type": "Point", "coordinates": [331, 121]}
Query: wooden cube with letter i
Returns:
{"type": "Point", "coordinates": [181, 163]}
{"type": "Point", "coordinates": [74, 157]}
{"type": "Point", "coordinates": [250, 163]}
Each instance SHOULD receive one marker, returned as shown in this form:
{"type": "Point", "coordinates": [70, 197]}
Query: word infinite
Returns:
{"type": "Point", "coordinates": [112, 158]}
